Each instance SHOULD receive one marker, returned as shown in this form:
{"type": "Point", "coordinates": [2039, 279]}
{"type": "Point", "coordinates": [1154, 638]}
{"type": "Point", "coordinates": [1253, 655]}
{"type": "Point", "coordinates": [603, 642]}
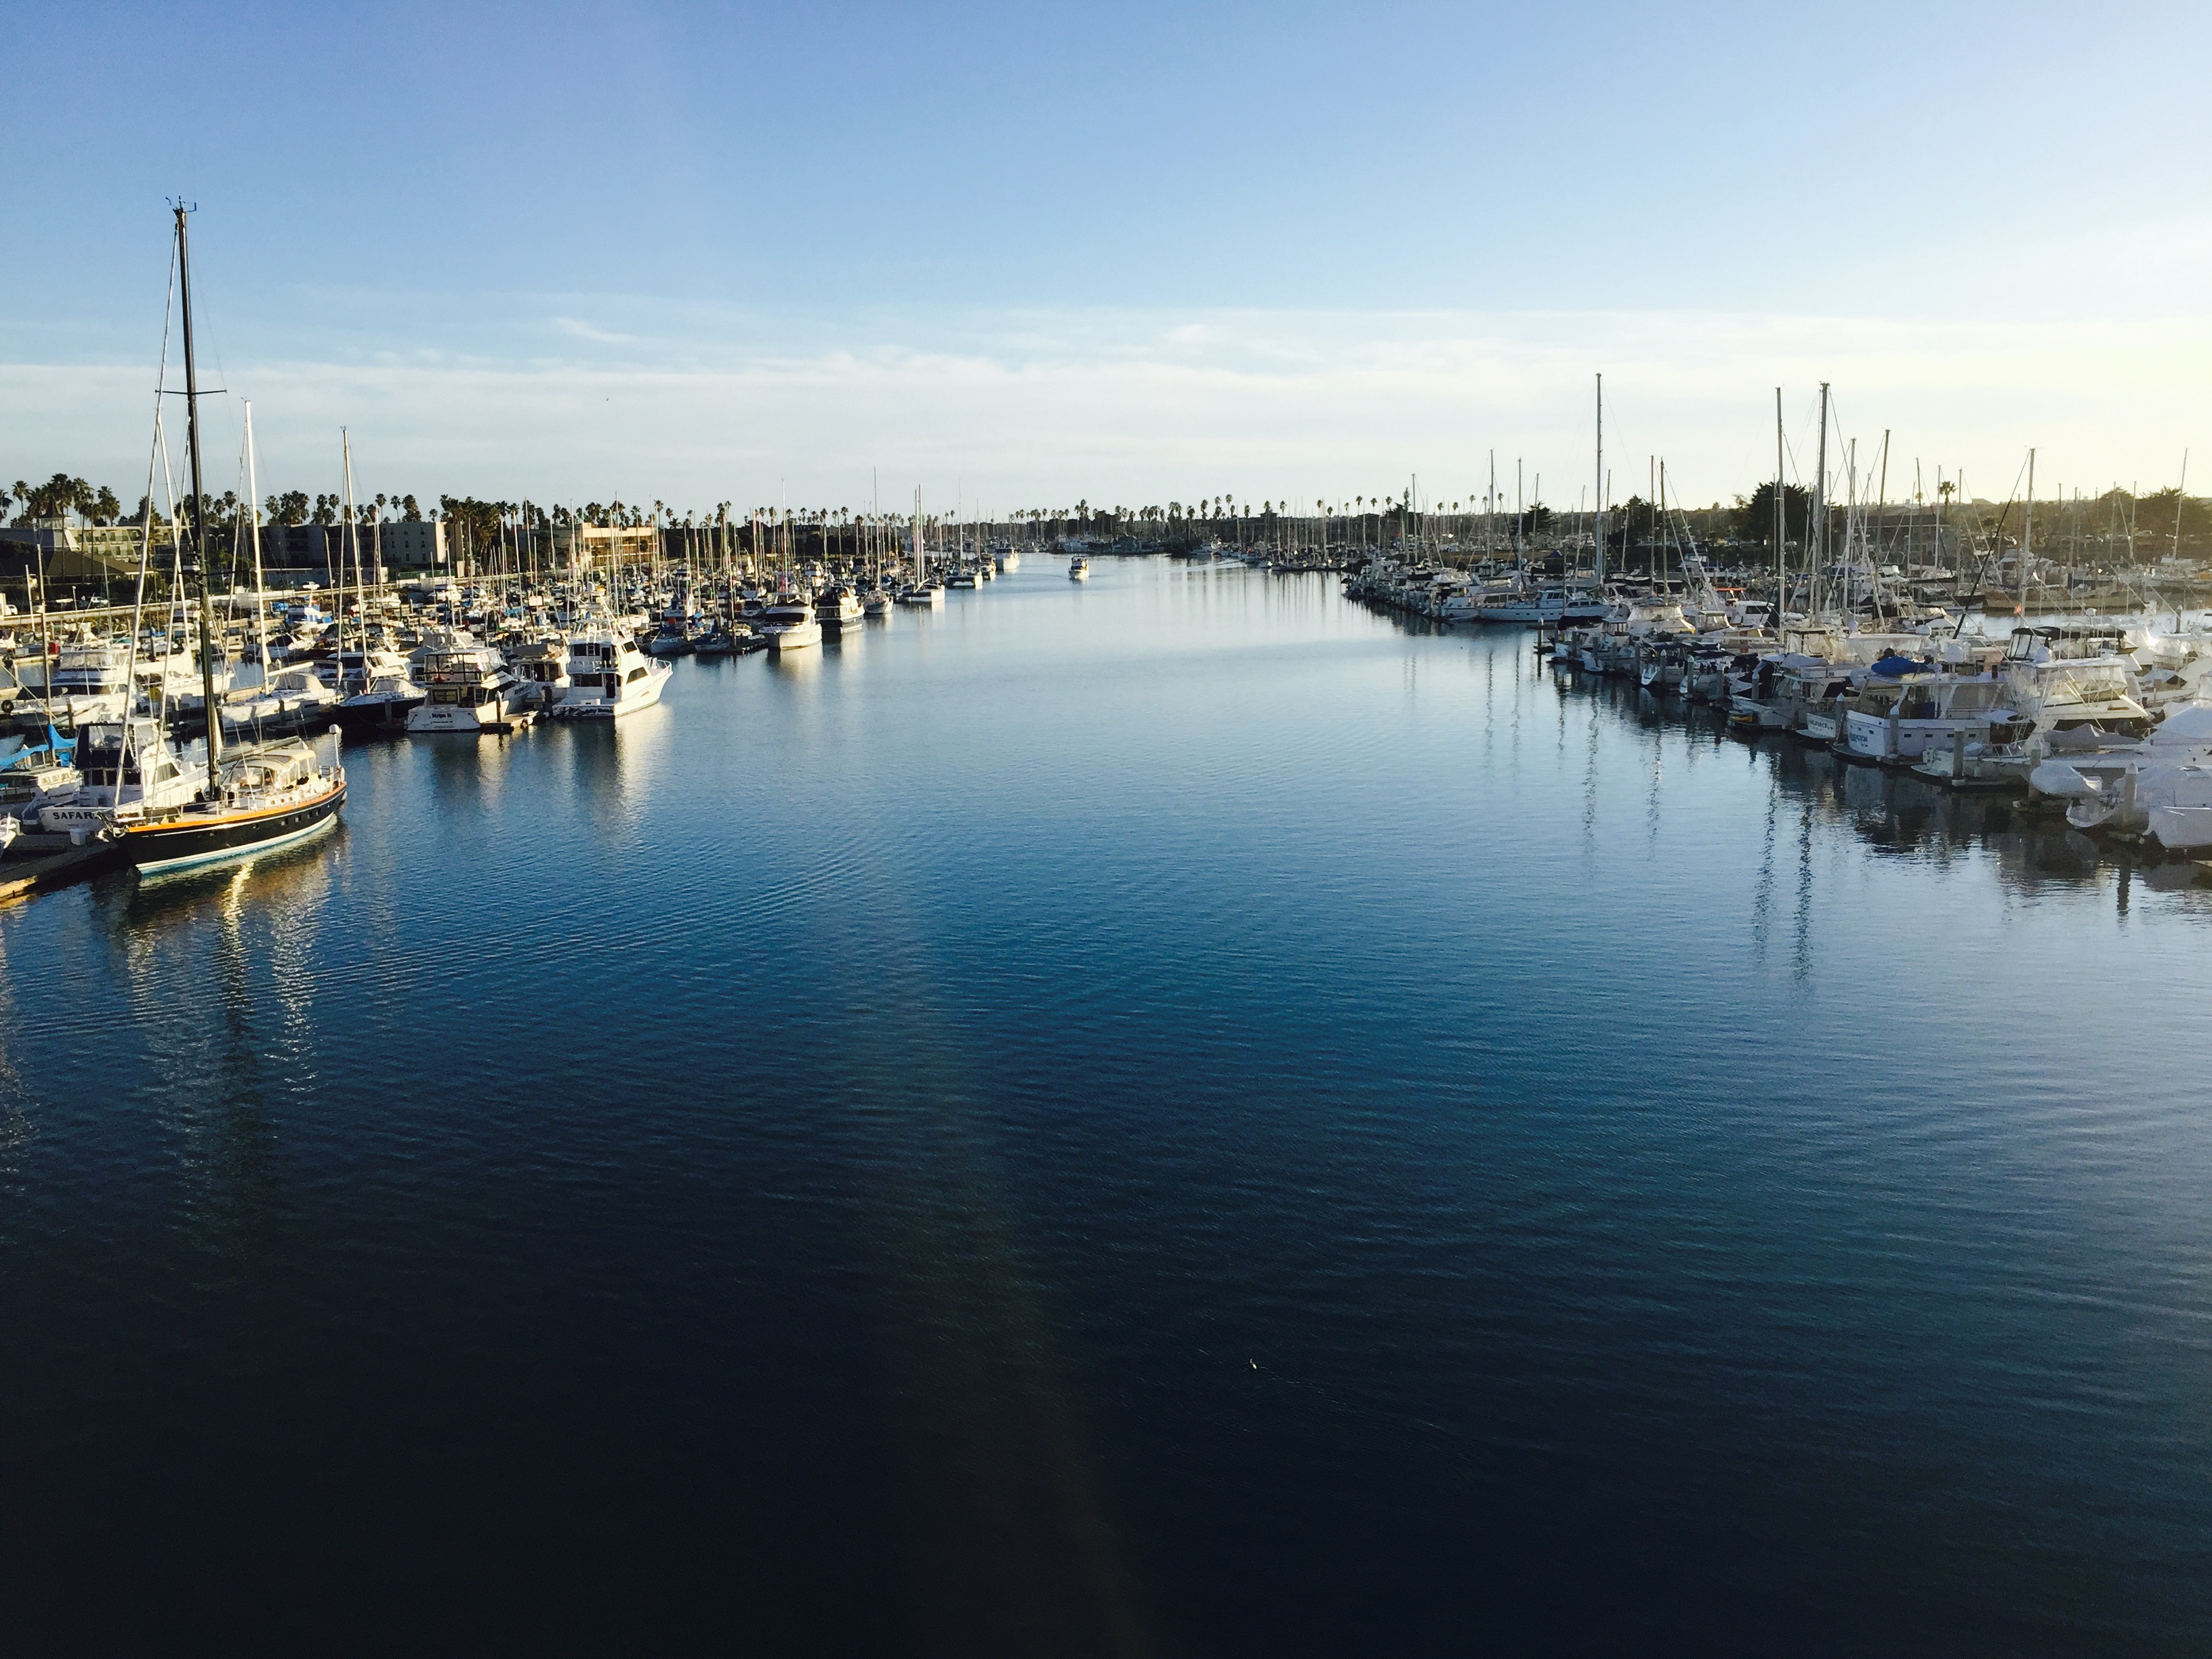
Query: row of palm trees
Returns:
{"type": "Point", "coordinates": [59, 498]}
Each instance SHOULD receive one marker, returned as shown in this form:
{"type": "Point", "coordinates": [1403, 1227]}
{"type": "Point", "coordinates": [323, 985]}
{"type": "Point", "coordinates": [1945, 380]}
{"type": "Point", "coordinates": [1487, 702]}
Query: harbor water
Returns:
{"type": "Point", "coordinates": [1170, 1115]}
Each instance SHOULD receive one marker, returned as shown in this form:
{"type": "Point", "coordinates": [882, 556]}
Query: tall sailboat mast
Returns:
{"type": "Point", "coordinates": [253, 518]}
{"type": "Point", "coordinates": [1781, 523]}
{"type": "Point", "coordinates": [353, 536]}
{"type": "Point", "coordinates": [1597, 523]}
{"type": "Point", "coordinates": [199, 501]}
{"type": "Point", "coordinates": [1817, 566]}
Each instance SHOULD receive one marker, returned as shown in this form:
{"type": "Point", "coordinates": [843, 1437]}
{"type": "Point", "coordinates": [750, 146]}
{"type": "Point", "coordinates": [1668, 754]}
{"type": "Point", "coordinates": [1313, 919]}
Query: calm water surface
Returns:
{"type": "Point", "coordinates": [1173, 1116]}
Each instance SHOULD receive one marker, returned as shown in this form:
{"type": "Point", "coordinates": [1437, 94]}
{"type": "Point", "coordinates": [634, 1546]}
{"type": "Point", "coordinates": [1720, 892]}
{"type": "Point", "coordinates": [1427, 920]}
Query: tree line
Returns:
{"type": "Point", "coordinates": [2115, 521]}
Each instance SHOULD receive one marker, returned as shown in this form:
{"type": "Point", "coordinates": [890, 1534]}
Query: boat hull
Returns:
{"type": "Point", "coordinates": [429, 718]}
{"type": "Point", "coordinates": [386, 714]}
{"type": "Point", "coordinates": [600, 708]}
{"type": "Point", "coordinates": [182, 844]}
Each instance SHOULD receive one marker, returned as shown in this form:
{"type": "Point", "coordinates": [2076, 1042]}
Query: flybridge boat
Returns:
{"type": "Point", "coordinates": [434, 640]}
{"type": "Point", "coordinates": [542, 665]}
{"type": "Point", "coordinates": [1611, 645]}
{"type": "Point", "coordinates": [790, 627]}
{"type": "Point", "coordinates": [609, 676]}
{"type": "Point", "coordinates": [1078, 570]}
{"type": "Point", "coordinates": [382, 693]}
{"type": "Point", "coordinates": [1784, 689]}
{"type": "Point", "coordinates": [121, 771]}
{"type": "Point", "coordinates": [1894, 720]}
{"type": "Point", "coordinates": [2073, 687]}
{"type": "Point", "coordinates": [836, 608]}
{"type": "Point", "coordinates": [175, 683]}
{"type": "Point", "coordinates": [90, 683]}
{"type": "Point", "coordinates": [470, 688]}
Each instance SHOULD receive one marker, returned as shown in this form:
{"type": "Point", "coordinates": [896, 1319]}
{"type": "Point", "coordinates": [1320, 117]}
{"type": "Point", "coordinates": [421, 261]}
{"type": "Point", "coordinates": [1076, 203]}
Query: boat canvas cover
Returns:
{"type": "Point", "coordinates": [2189, 727]}
{"type": "Point", "coordinates": [2060, 781]}
{"type": "Point", "coordinates": [1894, 667]}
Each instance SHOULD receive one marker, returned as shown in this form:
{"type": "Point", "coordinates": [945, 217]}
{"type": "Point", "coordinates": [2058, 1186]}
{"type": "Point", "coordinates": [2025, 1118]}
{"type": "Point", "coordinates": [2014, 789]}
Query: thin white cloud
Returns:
{"type": "Point", "coordinates": [577, 328]}
{"type": "Point", "coordinates": [1042, 407]}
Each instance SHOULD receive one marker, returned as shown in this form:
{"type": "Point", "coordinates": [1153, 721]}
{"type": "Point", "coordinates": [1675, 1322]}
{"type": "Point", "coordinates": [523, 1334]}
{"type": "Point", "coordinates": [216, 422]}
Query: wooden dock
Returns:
{"type": "Point", "coordinates": [20, 878]}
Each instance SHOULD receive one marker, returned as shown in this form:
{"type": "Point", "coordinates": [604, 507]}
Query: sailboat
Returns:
{"type": "Point", "coordinates": [260, 796]}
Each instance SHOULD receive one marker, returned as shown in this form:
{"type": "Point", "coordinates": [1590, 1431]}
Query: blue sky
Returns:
{"type": "Point", "coordinates": [1134, 252]}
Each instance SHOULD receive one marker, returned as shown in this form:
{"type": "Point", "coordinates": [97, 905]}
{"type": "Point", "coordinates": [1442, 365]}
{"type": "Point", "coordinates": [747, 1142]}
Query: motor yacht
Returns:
{"type": "Point", "coordinates": [470, 688]}
{"type": "Point", "coordinates": [33, 780]}
{"type": "Point", "coordinates": [1784, 688]}
{"type": "Point", "coordinates": [790, 627]}
{"type": "Point", "coordinates": [838, 608]}
{"type": "Point", "coordinates": [124, 769]}
{"type": "Point", "coordinates": [1078, 570]}
{"type": "Point", "coordinates": [609, 676]}
{"type": "Point", "coordinates": [1894, 720]}
{"type": "Point", "coordinates": [90, 683]}
{"type": "Point", "coordinates": [542, 665]}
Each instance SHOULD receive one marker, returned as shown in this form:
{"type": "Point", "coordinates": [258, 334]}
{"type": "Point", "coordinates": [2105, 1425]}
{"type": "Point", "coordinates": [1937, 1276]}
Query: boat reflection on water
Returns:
{"type": "Point", "coordinates": [288, 883]}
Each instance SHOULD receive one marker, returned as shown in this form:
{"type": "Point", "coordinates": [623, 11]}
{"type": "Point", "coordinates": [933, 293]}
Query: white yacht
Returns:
{"type": "Point", "coordinates": [2073, 686]}
{"type": "Point", "coordinates": [90, 683]}
{"type": "Point", "coordinates": [125, 774]}
{"type": "Point", "coordinates": [1895, 721]}
{"type": "Point", "coordinates": [928, 596]}
{"type": "Point", "coordinates": [32, 782]}
{"type": "Point", "coordinates": [838, 608]}
{"type": "Point", "coordinates": [963, 577]}
{"type": "Point", "coordinates": [790, 627]}
{"type": "Point", "coordinates": [296, 699]}
{"type": "Point", "coordinates": [173, 682]}
{"type": "Point", "coordinates": [471, 689]}
{"type": "Point", "coordinates": [543, 665]}
{"type": "Point", "coordinates": [1010, 560]}
{"type": "Point", "coordinates": [437, 638]}
{"type": "Point", "coordinates": [1078, 570]}
{"type": "Point", "coordinates": [609, 676]}
{"type": "Point", "coordinates": [1523, 604]}
{"type": "Point", "coordinates": [381, 691]}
